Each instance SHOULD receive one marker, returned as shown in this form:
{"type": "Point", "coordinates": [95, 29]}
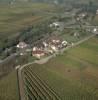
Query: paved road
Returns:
{"type": "Point", "coordinates": [42, 61]}
{"type": "Point", "coordinates": [84, 26]}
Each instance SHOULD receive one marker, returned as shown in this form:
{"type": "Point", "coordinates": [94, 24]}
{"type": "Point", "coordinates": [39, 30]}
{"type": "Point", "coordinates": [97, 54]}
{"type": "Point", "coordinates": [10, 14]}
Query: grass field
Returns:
{"type": "Point", "coordinates": [95, 20]}
{"type": "Point", "coordinates": [17, 17]}
{"type": "Point", "coordinates": [72, 75]}
{"type": "Point", "coordinates": [9, 87]}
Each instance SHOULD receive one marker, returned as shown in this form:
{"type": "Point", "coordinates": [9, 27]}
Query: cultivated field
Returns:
{"type": "Point", "coordinates": [95, 20]}
{"type": "Point", "coordinates": [9, 87]}
{"type": "Point", "coordinates": [70, 76]}
{"type": "Point", "coordinates": [14, 18]}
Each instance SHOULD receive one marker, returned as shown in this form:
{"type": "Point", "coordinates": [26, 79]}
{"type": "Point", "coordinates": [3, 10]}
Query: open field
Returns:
{"type": "Point", "coordinates": [95, 20]}
{"type": "Point", "coordinates": [9, 87]}
{"type": "Point", "coordinates": [17, 17]}
{"type": "Point", "coordinates": [72, 75]}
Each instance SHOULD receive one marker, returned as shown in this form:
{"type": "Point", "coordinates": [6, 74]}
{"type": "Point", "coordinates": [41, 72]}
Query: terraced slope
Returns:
{"type": "Point", "coordinates": [37, 88]}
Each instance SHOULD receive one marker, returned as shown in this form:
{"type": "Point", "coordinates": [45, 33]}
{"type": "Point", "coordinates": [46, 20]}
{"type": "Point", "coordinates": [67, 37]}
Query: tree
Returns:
{"type": "Point", "coordinates": [90, 3]}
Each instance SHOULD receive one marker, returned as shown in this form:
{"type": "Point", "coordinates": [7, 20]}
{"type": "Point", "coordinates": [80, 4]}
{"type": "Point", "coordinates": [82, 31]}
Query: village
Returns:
{"type": "Point", "coordinates": [49, 50]}
{"type": "Point", "coordinates": [47, 47]}
{"type": "Point", "coordinates": [78, 27]}
{"type": "Point", "coordinates": [55, 43]}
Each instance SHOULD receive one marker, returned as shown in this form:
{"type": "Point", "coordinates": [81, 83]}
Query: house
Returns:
{"type": "Point", "coordinates": [23, 48]}
{"type": "Point", "coordinates": [45, 44]}
{"type": "Point", "coordinates": [64, 43]}
{"type": "Point", "coordinates": [95, 31]}
{"type": "Point", "coordinates": [58, 25]}
{"type": "Point", "coordinates": [21, 45]}
{"type": "Point", "coordinates": [54, 47]}
{"type": "Point", "coordinates": [78, 19]}
{"type": "Point", "coordinates": [38, 47]}
{"type": "Point", "coordinates": [97, 12]}
{"type": "Point", "coordinates": [76, 34]}
{"type": "Point", "coordinates": [55, 24]}
{"type": "Point", "coordinates": [55, 44]}
{"type": "Point", "coordinates": [38, 53]}
{"type": "Point", "coordinates": [49, 46]}
{"type": "Point", "coordinates": [81, 16]}
{"type": "Point", "coordinates": [35, 48]}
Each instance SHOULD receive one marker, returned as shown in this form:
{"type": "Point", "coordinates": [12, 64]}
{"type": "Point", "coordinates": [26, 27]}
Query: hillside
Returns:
{"type": "Point", "coordinates": [70, 76]}
{"type": "Point", "coordinates": [52, 1]}
{"type": "Point", "coordinates": [16, 18]}
{"type": "Point", "coordinates": [45, 0]}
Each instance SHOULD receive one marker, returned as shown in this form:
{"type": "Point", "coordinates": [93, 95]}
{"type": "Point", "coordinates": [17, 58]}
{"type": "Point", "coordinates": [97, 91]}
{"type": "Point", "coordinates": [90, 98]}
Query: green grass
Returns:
{"type": "Point", "coordinates": [69, 36]}
{"type": "Point", "coordinates": [73, 75]}
{"type": "Point", "coordinates": [17, 17]}
{"type": "Point", "coordinates": [95, 20]}
{"type": "Point", "coordinates": [89, 50]}
{"type": "Point", "coordinates": [9, 87]}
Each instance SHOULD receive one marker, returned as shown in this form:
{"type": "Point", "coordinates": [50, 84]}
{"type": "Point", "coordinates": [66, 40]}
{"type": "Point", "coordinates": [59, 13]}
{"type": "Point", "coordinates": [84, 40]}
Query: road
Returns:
{"type": "Point", "coordinates": [8, 58]}
{"type": "Point", "coordinates": [42, 61]}
{"type": "Point", "coordinates": [84, 26]}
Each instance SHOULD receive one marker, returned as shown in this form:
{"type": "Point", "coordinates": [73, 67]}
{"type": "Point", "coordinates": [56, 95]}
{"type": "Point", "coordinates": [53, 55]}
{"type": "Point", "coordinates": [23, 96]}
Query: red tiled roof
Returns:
{"type": "Point", "coordinates": [38, 52]}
